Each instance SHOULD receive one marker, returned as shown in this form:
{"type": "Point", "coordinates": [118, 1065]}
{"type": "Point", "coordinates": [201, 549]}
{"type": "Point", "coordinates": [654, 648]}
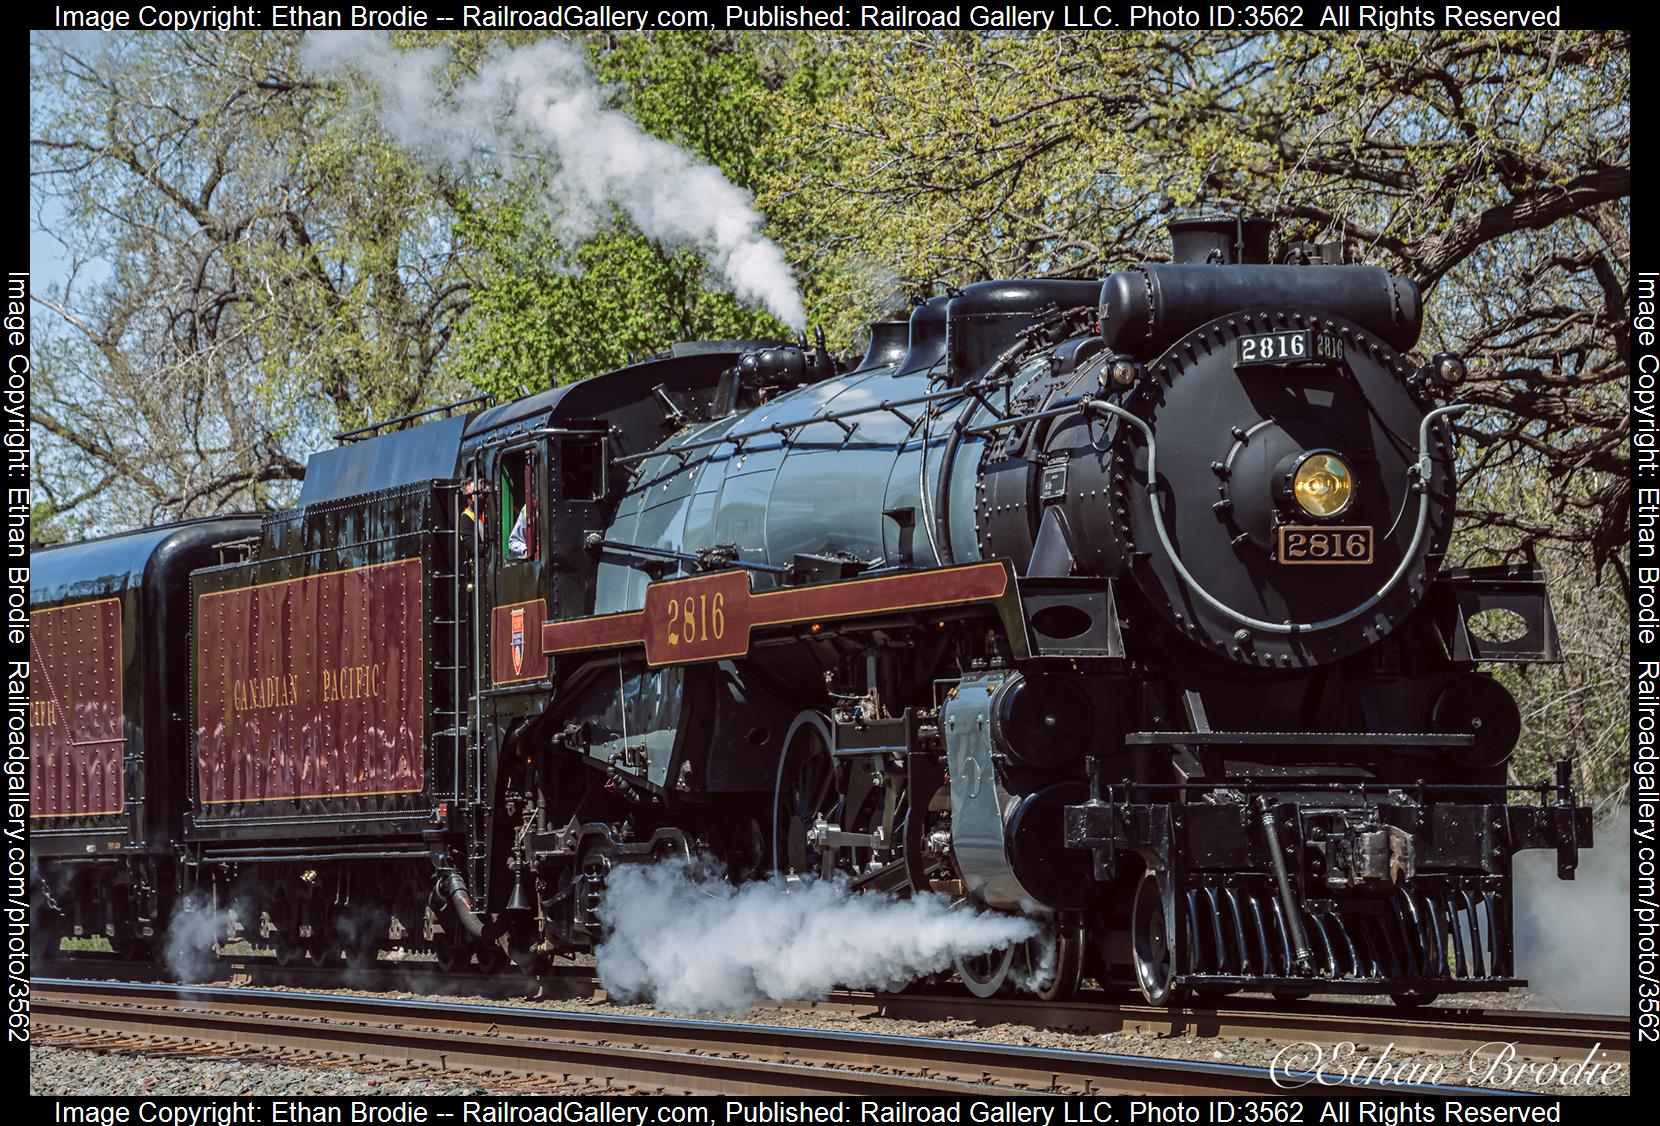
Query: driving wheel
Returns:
{"type": "Point", "coordinates": [1051, 966]}
{"type": "Point", "coordinates": [986, 975]}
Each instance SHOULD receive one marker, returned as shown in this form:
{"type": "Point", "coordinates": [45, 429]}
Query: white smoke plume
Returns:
{"type": "Point", "coordinates": [691, 943]}
{"type": "Point", "coordinates": [196, 926]}
{"type": "Point", "coordinates": [1573, 943]}
{"type": "Point", "coordinates": [1035, 975]}
{"type": "Point", "coordinates": [542, 102]}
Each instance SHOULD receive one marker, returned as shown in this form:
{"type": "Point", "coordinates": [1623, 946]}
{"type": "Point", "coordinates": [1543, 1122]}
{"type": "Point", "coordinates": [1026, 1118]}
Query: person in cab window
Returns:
{"type": "Point", "coordinates": [517, 546]}
{"type": "Point", "coordinates": [469, 506]}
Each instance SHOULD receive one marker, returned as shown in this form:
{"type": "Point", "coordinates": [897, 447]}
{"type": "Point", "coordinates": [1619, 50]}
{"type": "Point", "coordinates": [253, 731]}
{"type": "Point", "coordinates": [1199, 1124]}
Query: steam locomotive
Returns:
{"type": "Point", "coordinates": [1120, 605]}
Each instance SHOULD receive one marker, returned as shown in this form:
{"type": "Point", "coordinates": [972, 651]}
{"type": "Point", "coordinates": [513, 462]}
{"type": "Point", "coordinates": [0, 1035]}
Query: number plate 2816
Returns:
{"type": "Point", "coordinates": [1301, 543]}
{"type": "Point", "coordinates": [1290, 347]}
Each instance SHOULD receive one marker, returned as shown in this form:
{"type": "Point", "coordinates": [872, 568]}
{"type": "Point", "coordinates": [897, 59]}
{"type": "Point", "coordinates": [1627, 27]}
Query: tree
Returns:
{"type": "Point", "coordinates": [247, 273]}
{"type": "Point", "coordinates": [543, 313]}
{"type": "Point", "coordinates": [1492, 168]}
{"type": "Point", "coordinates": [255, 263]}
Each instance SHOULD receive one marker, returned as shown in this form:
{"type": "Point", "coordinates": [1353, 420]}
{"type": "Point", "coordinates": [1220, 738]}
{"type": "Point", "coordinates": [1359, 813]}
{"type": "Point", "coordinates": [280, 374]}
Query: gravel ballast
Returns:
{"type": "Point", "coordinates": [58, 1070]}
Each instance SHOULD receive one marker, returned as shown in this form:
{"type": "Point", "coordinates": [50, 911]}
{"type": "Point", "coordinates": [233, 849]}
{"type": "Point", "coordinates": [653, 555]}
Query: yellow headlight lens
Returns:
{"type": "Point", "coordinates": [1324, 485]}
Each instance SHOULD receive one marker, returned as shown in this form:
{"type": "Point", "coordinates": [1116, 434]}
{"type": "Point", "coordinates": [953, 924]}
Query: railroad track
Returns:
{"type": "Point", "coordinates": [1536, 1034]}
{"type": "Point", "coordinates": [622, 1051]}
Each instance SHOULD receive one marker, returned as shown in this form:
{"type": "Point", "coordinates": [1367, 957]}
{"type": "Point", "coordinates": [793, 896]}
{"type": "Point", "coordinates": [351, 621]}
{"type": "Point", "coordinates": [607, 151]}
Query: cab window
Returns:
{"type": "Point", "coordinates": [581, 469]}
{"type": "Point", "coordinates": [520, 526]}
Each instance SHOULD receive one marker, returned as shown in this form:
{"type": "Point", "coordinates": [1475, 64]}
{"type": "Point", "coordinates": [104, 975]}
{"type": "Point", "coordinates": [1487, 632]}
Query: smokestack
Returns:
{"type": "Point", "coordinates": [1221, 239]}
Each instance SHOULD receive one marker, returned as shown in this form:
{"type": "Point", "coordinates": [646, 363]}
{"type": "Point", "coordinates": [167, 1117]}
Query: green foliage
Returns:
{"type": "Point", "coordinates": [362, 293]}
{"type": "Point", "coordinates": [699, 89]}
{"type": "Point", "coordinates": [543, 313]}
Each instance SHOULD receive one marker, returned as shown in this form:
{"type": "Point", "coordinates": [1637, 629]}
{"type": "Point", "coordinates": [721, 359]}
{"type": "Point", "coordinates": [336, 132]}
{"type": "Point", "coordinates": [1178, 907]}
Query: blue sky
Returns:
{"type": "Point", "coordinates": [48, 260]}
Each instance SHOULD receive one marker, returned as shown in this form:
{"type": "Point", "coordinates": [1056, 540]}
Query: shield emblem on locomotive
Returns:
{"type": "Point", "coordinates": [518, 641]}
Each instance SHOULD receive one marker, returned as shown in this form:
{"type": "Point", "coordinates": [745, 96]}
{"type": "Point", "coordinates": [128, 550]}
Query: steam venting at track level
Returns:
{"type": "Point", "coordinates": [687, 941]}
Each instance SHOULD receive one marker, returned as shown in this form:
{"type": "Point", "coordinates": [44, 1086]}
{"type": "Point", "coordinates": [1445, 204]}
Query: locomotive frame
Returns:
{"type": "Point", "coordinates": [1039, 647]}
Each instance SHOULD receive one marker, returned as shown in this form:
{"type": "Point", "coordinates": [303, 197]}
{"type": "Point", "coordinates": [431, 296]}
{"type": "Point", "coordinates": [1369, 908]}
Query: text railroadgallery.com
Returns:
{"type": "Point", "coordinates": [1645, 683]}
{"type": "Point", "coordinates": [1018, 1110]}
{"type": "Point", "coordinates": [1308, 1106]}
{"type": "Point", "coordinates": [14, 480]}
{"type": "Point", "coordinates": [928, 15]}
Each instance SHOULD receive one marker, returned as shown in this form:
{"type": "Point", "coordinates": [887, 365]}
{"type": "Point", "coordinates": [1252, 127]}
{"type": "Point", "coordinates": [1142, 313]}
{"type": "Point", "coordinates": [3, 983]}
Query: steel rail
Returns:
{"type": "Point", "coordinates": [1536, 1034]}
{"type": "Point", "coordinates": [712, 1057]}
{"type": "Point", "coordinates": [438, 1036]}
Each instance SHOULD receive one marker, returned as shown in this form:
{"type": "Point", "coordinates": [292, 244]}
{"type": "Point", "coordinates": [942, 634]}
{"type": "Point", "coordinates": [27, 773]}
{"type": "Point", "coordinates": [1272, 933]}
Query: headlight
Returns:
{"type": "Point", "coordinates": [1323, 485]}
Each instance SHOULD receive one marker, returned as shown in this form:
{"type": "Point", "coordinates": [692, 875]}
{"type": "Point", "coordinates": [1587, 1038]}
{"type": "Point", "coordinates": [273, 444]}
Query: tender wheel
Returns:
{"type": "Point", "coordinates": [452, 956]}
{"type": "Point", "coordinates": [986, 975]}
{"type": "Point", "coordinates": [286, 939]}
{"type": "Point", "coordinates": [1153, 951]}
{"type": "Point", "coordinates": [443, 933]}
{"type": "Point", "coordinates": [363, 950]}
{"type": "Point", "coordinates": [1051, 966]}
{"type": "Point", "coordinates": [322, 946]}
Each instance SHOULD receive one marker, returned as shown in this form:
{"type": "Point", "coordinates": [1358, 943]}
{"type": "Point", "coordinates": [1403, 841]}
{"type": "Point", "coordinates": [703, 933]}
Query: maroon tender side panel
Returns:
{"type": "Point", "coordinates": [76, 726]}
{"type": "Point", "coordinates": [311, 687]}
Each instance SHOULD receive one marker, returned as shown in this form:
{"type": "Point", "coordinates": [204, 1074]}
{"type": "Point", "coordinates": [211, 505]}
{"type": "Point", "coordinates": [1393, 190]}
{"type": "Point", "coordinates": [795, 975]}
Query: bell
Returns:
{"type": "Point", "coordinates": [517, 902]}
